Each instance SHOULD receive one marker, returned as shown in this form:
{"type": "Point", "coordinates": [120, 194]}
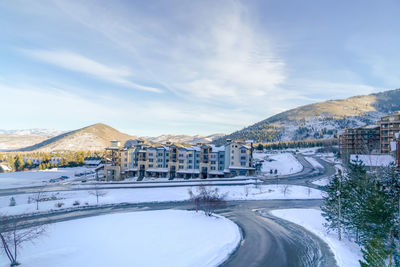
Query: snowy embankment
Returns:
{"type": "Point", "coordinates": [37, 178]}
{"type": "Point", "coordinates": [314, 163]}
{"type": "Point", "coordinates": [346, 253]}
{"type": "Point", "coordinates": [283, 163]}
{"type": "Point", "coordinates": [150, 238]}
{"type": "Point", "coordinates": [142, 195]}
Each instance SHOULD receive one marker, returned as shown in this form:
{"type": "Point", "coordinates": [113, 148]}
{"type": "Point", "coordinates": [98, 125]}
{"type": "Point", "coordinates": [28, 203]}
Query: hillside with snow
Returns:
{"type": "Point", "coordinates": [322, 120]}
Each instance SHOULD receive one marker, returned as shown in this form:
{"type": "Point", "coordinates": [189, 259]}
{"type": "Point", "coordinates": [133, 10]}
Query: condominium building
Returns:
{"type": "Point", "coordinates": [389, 125]}
{"type": "Point", "coordinates": [362, 140]}
{"type": "Point", "coordinates": [137, 159]}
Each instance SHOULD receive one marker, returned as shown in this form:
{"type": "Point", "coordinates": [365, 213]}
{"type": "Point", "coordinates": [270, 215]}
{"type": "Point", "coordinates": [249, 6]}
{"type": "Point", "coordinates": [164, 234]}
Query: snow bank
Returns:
{"type": "Point", "coordinates": [142, 195]}
{"type": "Point", "coordinates": [346, 253]}
{"type": "Point", "coordinates": [150, 238]}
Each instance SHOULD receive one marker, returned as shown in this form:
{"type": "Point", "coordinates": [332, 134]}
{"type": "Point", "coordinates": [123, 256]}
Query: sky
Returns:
{"type": "Point", "coordinates": [188, 67]}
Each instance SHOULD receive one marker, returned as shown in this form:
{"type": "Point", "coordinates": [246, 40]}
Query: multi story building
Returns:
{"type": "Point", "coordinates": [137, 159]}
{"type": "Point", "coordinates": [389, 125]}
{"type": "Point", "coordinates": [362, 140]}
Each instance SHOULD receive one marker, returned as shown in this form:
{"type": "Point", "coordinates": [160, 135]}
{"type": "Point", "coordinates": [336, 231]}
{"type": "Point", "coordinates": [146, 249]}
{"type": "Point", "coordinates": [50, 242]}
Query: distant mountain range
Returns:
{"type": "Point", "coordinates": [320, 120]}
{"type": "Point", "coordinates": [94, 137]}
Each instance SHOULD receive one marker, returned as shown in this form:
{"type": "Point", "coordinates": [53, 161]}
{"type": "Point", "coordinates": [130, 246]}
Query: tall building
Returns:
{"type": "Point", "coordinates": [389, 125]}
{"type": "Point", "coordinates": [362, 140]}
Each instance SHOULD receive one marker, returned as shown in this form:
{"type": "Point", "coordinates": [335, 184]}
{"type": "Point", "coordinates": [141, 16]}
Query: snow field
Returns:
{"type": "Point", "coordinates": [37, 178]}
{"type": "Point", "coordinates": [284, 163]}
{"type": "Point", "coordinates": [151, 238]}
{"type": "Point", "coordinates": [347, 253]}
{"type": "Point", "coordinates": [142, 195]}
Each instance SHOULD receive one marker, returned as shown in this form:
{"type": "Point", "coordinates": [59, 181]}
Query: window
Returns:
{"type": "Point", "coordinates": [243, 151]}
{"type": "Point", "coordinates": [150, 160]}
{"type": "Point", "coordinates": [212, 168]}
{"type": "Point", "coordinates": [190, 161]}
{"type": "Point", "coordinates": [213, 162]}
{"type": "Point", "coordinates": [150, 165]}
{"type": "Point", "coordinates": [181, 167]}
{"type": "Point", "coordinates": [243, 163]}
{"type": "Point", "coordinates": [181, 161]}
{"type": "Point", "coordinates": [125, 165]}
{"type": "Point", "coordinates": [159, 165]}
{"type": "Point", "coordinates": [243, 158]}
{"type": "Point", "coordinates": [150, 154]}
{"type": "Point", "coordinates": [232, 157]}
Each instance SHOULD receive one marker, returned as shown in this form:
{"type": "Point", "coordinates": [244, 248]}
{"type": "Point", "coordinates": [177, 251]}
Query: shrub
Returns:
{"type": "Point", "coordinates": [59, 204]}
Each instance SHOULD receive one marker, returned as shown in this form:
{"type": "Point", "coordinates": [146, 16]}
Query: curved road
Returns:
{"type": "Point", "coordinates": [267, 240]}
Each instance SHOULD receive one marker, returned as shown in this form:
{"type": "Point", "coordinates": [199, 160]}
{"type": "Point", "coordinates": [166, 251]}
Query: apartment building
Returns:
{"type": "Point", "coordinates": [362, 140]}
{"type": "Point", "coordinates": [389, 125]}
{"type": "Point", "coordinates": [171, 161]}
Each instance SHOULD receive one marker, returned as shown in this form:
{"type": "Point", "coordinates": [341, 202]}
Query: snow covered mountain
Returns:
{"type": "Point", "coordinates": [321, 120]}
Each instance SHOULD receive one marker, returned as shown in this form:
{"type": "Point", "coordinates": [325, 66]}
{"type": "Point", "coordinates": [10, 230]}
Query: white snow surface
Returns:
{"type": "Point", "coordinates": [36, 178]}
{"type": "Point", "coordinates": [347, 253]}
{"type": "Point", "coordinates": [314, 163]}
{"type": "Point", "coordinates": [284, 163]}
{"type": "Point", "coordinates": [322, 182]}
{"type": "Point", "coordinates": [142, 195]}
{"type": "Point", "coordinates": [150, 238]}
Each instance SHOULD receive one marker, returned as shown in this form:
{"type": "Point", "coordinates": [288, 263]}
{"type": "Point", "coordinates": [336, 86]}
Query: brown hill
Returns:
{"type": "Point", "coordinates": [93, 137]}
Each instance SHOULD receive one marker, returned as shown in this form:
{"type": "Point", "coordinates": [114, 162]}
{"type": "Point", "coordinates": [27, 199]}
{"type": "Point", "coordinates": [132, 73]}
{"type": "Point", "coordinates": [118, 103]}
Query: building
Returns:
{"type": "Point", "coordinates": [112, 162]}
{"type": "Point", "coordinates": [389, 125]}
{"type": "Point", "coordinates": [138, 159]}
{"type": "Point", "coordinates": [362, 140]}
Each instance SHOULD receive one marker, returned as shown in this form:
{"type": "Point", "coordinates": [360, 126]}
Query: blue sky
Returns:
{"type": "Point", "coordinates": [188, 67]}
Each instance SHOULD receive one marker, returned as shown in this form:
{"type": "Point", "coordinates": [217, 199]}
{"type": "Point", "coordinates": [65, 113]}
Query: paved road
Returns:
{"type": "Point", "coordinates": [267, 240]}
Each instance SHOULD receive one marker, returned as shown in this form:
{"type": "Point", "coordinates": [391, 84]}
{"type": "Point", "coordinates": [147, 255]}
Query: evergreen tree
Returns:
{"type": "Point", "coordinates": [19, 163]}
{"type": "Point", "coordinates": [332, 207]}
{"type": "Point", "coordinates": [374, 254]}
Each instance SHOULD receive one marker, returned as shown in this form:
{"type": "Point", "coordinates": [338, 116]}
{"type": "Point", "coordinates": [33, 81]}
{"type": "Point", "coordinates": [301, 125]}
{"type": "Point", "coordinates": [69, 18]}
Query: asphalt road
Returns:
{"type": "Point", "coordinates": [267, 240]}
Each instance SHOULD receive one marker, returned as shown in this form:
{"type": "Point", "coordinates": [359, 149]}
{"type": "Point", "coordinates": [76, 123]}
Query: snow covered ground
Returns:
{"type": "Point", "coordinates": [321, 182]}
{"type": "Point", "coordinates": [347, 253]}
{"type": "Point", "coordinates": [151, 238]}
{"type": "Point", "coordinates": [36, 178]}
{"type": "Point", "coordinates": [141, 195]}
{"type": "Point", "coordinates": [284, 163]}
{"type": "Point", "coordinates": [314, 163]}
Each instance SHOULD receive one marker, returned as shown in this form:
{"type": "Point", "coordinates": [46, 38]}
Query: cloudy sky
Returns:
{"type": "Point", "coordinates": [188, 67]}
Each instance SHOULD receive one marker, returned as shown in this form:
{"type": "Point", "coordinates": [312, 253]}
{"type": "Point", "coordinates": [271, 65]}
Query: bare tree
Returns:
{"type": "Point", "coordinates": [97, 193]}
{"type": "Point", "coordinates": [285, 189]}
{"type": "Point", "coordinates": [207, 199]}
{"type": "Point", "coordinates": [13, 235]}
{"type": "Point", "coordinates": [38, 197]}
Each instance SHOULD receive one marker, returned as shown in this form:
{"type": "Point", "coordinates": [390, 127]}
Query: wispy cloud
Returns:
{"type": "Point", "coordinates": [78, 63]}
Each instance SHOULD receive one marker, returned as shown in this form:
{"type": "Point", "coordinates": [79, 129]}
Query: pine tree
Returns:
{"type": "Point", "coordinates": [374, 253]}
{"type": "Point", "coordinates": [19, 163]}
{"type": "Point", "coordinates": [332, 207]}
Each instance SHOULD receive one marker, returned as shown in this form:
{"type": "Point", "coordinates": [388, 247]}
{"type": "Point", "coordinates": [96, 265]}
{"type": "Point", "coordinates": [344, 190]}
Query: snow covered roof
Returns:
{"type": "Point", "coordinates": [374, 160]}
{"type": "Point", "coordinates": [217, 148]}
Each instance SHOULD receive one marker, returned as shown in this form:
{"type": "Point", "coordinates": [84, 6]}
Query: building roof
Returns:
{"type": "Point", "coordinates": [374, 160]}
